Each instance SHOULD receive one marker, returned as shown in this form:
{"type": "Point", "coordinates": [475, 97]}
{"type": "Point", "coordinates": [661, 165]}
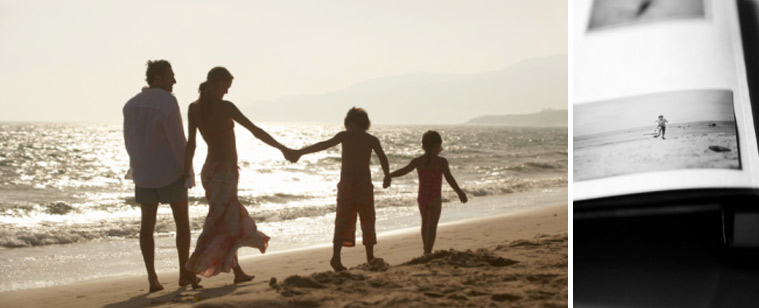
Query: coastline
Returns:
{"type": "Point", "coordinates": [51, 265]}
{"type": "Point", "coordinates": [394, 247]}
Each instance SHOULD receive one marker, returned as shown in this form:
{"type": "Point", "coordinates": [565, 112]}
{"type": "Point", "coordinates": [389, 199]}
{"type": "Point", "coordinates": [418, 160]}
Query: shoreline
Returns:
{"type": "Point", "coordinates": [51, 265]}
{"type": "Point", "coordinates": [394, 246]}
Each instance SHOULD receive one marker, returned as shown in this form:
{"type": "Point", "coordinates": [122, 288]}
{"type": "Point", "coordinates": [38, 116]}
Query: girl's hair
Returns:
{"type": "Point", "coordinates": [430, 139]}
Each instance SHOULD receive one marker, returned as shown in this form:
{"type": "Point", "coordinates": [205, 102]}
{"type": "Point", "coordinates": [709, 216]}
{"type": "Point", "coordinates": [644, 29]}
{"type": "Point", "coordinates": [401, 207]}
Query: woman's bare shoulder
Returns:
{"type": "Point", "coordinates": [193, 108]}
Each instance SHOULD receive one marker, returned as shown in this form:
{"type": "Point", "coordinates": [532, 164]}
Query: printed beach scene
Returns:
{"type": "Point", "coordinates": [685, 130]}
{"type": "Point", "coordinates": [75, 231]}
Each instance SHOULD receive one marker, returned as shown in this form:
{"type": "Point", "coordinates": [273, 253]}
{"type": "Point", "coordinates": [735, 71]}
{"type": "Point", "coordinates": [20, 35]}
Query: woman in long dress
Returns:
{"type": "Point", "coordinates": [228, 225]}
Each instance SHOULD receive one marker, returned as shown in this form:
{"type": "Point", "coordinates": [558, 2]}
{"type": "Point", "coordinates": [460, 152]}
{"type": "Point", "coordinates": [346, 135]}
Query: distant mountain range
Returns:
{"type": "Point", "coordinates": [423, 98]}
{"type": "Point", "coordinates": [547, 117]}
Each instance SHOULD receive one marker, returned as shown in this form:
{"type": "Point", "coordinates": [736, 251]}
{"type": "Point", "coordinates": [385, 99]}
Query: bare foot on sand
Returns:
{"type": "Point", "coordinates": [337, 265]}
{"type": "Point", "coordinates": [240, 275]}
{"type": "Point", "coordinates": [194, 281]}
{"type": "Point", "coordinates": [155, 285]}
{"type": "Point", "coordinates": [239, 278]}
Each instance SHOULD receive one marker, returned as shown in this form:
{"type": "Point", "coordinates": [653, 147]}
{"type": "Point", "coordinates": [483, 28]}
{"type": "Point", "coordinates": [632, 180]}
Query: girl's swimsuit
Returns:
{"type": "Point", "coordinates": [430, 183]}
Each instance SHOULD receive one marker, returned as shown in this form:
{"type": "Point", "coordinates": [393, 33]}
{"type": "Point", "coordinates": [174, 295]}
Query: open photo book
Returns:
{"type": "Point", "coordinates": [661, 99]}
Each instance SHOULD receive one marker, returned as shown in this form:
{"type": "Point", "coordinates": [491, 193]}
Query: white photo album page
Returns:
{"type": "Point", "coordinates": [660, 98]}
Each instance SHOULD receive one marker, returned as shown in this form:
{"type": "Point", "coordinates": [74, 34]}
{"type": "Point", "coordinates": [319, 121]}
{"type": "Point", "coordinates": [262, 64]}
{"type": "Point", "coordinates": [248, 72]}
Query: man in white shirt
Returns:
{"type": "Point", "coordinates": [155, 142]}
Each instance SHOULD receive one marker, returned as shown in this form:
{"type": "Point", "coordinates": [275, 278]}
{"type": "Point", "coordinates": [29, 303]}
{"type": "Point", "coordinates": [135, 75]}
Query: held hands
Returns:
{"type": "Point", "coordinates": [462, 197]}
{"type": "Point", "coordinates": [291, 155]}
{"type": "Point", "coordinates": [386, 181]}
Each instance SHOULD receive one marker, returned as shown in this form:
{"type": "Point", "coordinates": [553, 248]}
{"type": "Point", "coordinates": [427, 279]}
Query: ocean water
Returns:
{"type": "Point", "coordinates": [67, 214]}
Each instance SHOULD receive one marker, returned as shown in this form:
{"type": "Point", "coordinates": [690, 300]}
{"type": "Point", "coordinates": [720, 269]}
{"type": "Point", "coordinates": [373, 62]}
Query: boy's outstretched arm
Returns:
{"type": "Point", "coordinates": [321, 146]}
{"type": "Point", "coordinates": [451, 181]}
{"type": "Point", "coordinates": [377, 147]}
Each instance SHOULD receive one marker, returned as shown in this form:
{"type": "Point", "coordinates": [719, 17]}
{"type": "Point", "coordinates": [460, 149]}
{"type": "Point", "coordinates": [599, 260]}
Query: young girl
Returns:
{"type": "Point", "coordinates": [430, 167]}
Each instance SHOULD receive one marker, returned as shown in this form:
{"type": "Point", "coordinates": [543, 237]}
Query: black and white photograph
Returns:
{"type": "Point", "coordinates": [656, 132]}
{"type": "Point", "coordinates": [611, 13]}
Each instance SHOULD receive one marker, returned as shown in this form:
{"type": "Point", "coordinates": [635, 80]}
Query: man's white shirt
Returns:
{"type": "Point", "coordinates": [154, 138]}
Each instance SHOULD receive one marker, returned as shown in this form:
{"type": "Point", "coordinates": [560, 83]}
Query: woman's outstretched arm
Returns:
{"type": "Point", "coordinates": [259, 133]}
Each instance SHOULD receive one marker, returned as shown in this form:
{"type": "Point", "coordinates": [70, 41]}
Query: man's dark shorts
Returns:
{"type": "Point", "coordinates": [173, 192]}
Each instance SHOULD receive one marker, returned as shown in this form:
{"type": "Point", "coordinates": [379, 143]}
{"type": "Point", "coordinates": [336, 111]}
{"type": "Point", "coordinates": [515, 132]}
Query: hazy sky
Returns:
{"type": "Point", "coordinates": [638, 111]}
{"type": "Point", "coordinates": [82, 60]}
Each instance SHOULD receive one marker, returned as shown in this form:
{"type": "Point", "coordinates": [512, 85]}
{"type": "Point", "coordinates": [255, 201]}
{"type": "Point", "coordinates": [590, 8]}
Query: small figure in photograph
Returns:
{"type": "Point", "coordinates": [661, 127]}
{"type": "Point", "coordinates": [430, 168]}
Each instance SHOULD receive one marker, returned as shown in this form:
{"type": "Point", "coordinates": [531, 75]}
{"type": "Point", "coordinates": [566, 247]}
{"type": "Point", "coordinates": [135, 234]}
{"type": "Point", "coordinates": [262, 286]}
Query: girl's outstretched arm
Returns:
{"type": "Point", "coordinates": [405, 170]}
{"type": "Point", "coordinates": [451, 181]}
{"type": "Point", "coordinates": [400, 172]}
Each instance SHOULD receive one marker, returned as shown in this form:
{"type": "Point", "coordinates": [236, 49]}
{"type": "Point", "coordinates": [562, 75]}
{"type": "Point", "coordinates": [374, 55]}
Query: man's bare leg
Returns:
{"type": "Point", "coordinates": [182, 221]}
{"type": "Point", "coordinates": [147, 245]}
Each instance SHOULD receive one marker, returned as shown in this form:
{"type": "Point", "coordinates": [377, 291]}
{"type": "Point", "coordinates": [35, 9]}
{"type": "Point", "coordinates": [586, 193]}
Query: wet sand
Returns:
{"type": "Point", "coordinates": [514, 259]}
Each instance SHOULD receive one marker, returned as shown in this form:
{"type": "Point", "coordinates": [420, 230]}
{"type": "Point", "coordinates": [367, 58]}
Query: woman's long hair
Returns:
{"type": "Point", "coordinates": [215, 76]}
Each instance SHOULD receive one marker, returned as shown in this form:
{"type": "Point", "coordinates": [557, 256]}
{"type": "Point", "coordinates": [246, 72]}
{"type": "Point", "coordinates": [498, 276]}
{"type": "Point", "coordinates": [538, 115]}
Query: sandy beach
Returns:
{"type": "Point", "coordinates": [518, 259]}
{"type": "Point", "coordinates": [636, 150]}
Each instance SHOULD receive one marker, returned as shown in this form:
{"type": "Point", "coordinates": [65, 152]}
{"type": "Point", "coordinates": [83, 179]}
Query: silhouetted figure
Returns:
{"type": "Point", "coordinates": [228, 225]}
{"type": "Point", "coordinates": [642, 7]}
{"type": "Point", "coordinates": [430, 168]}
{"type": "Point", "coordinates": [155, 142]}
{"type": "Point", "coordinates": [355, 192]}
{"type": "Point", "coordinates": [661, 127]}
